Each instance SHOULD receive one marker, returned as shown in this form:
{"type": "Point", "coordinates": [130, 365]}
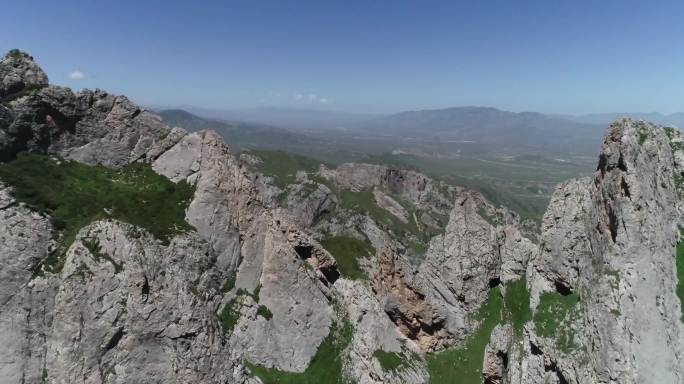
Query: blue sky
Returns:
{"type": "Point", "coordinates": [366, 56]}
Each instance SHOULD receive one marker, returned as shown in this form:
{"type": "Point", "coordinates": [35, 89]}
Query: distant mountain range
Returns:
{"type": "Point", "coordinates": [290, 118]}
{"type": "Point", "coordinates": [509, 131]}
{"type": "Point", "coordinates": [239, 135]}
{"type": "Point", "coordinates": [528, 130]}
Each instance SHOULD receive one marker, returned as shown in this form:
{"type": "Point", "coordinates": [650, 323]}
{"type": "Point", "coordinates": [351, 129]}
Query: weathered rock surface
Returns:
{"type": "Point", "coordinates": [433, 302]}
{"type": "Point", "coordinates": [611, 239]}
{"type": "Point", "coordinates": [392, 206]}
{"type": "Point", "coordinates": [24, 243]}
{"type": "Point", "coordinates": [405, 304]}
{"type": "Point", "coordinates": [91, 127]}
{"type": "Point", "coordinates": [19, 72]}
{"type": "Point", "coordinates": [129, 308]}
{"type": "Point", "coordinates": [374, 331]}
{"type": "Point", "coordinates": [496, 355]}
{"type": "Point", "coordinates": [459, 267]}
{"type": "Point", "coordinates": [258, 247]}
{"type": "Point", "coordinates": [413, 186]}
{"type": "Point", "coordinates": [308, 202]}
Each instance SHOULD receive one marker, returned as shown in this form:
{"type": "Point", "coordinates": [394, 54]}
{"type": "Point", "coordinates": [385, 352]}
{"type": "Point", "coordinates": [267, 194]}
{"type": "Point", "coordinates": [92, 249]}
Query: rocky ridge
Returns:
{"type": "Point", "coordinates": [385, 267]}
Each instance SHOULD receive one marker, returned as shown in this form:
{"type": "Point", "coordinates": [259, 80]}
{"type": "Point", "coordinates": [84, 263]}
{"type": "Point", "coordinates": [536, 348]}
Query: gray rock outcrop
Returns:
{"type": "Point", "coordinates": [611, 241]}
{"type": "Point", "coordinates": [18, 73]}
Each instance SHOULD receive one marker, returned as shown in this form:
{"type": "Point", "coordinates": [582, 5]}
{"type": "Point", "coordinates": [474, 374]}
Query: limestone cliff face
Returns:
{"type": "Point", "coordinates": [252, 285]}
{"type": "Point", "coordinates": [472, 256]}
{"type": "Point", "coordinates": [611, 239]}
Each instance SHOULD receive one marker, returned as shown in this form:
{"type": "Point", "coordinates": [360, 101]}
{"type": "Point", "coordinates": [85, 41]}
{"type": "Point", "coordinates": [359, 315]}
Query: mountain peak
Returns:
{"type": "Point", "coordinates": [17, 54]}
{"type": "Point", "coordinates": [18, 72]}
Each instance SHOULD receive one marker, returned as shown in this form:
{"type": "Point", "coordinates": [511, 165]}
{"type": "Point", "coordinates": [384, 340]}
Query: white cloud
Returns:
{"type": "Point", "coordinates": [310, 98]}
{"type": "Point", "coordinates": [77, 75]}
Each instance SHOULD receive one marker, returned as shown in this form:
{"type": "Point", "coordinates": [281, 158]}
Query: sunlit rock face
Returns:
{"type": "Point", "coordinates": [361, 271]}
{"type": "Point", "coordinates": [610, 240]}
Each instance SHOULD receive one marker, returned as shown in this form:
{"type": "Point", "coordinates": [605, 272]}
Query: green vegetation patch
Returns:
{"type": "Point", "coordinates": [554, 317]}
{"type": "Point", "coordinates": [325, 367]}
{"type": "Point", "coordinates": [264, 312]}
{"type": "Point", "coordinates": [643, 135]}
{"type": "Point", "coordinates": [680, 272]}
{"type": "Point", "coordinates": [308, 189]}
{"type": "Point", "coordinates": [74, 195]}
{"type": "Point", "coordinates": [463, 365]}
{"type": "Point", "coordinates": [229, 316]}
{"type": "Point", "coordinates": [364, 202]}
{"type": "Point", "coordinates": [347, 251]}
{"type": "Point", "coordinates": [95, 249]}
{"type": "Point", "coordinates": [229, 283]}
{"type": "Point", "coordinates": [517, 304]}
{"type": "Point", "coordinates": [390, 361]}
{"type": "Point", "coordinates": [675, 145]}
{"type": "Point", "coordinates": [552, 310]}
{"type": "Point", "coordinates": [15, 53]}
{"type": "Point", "coordinates": [255, 294]}
{"type": "Point", "coordinates": [283, 166]}
{"type": "Point", "coordinates": [678, 181]}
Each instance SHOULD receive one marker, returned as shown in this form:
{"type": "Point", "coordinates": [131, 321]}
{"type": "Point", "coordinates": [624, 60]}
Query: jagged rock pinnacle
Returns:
{"type": "Point", "coordinates": [19, 72]}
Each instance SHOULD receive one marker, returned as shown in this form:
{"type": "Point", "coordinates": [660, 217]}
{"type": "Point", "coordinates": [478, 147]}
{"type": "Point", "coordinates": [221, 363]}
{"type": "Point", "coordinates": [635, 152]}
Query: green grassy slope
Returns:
{"type": "Point", "coordinates": [75, 194]}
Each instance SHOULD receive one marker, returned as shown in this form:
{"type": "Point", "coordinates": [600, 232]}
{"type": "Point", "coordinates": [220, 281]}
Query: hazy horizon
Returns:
{"type": "Point", "coordinates": [390, 112]}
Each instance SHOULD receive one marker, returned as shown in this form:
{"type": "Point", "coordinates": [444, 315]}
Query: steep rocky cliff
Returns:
{"type": "Point", "coordinates": [132, 252]}
{"type": "Point", "coordinates": [608, 260]}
